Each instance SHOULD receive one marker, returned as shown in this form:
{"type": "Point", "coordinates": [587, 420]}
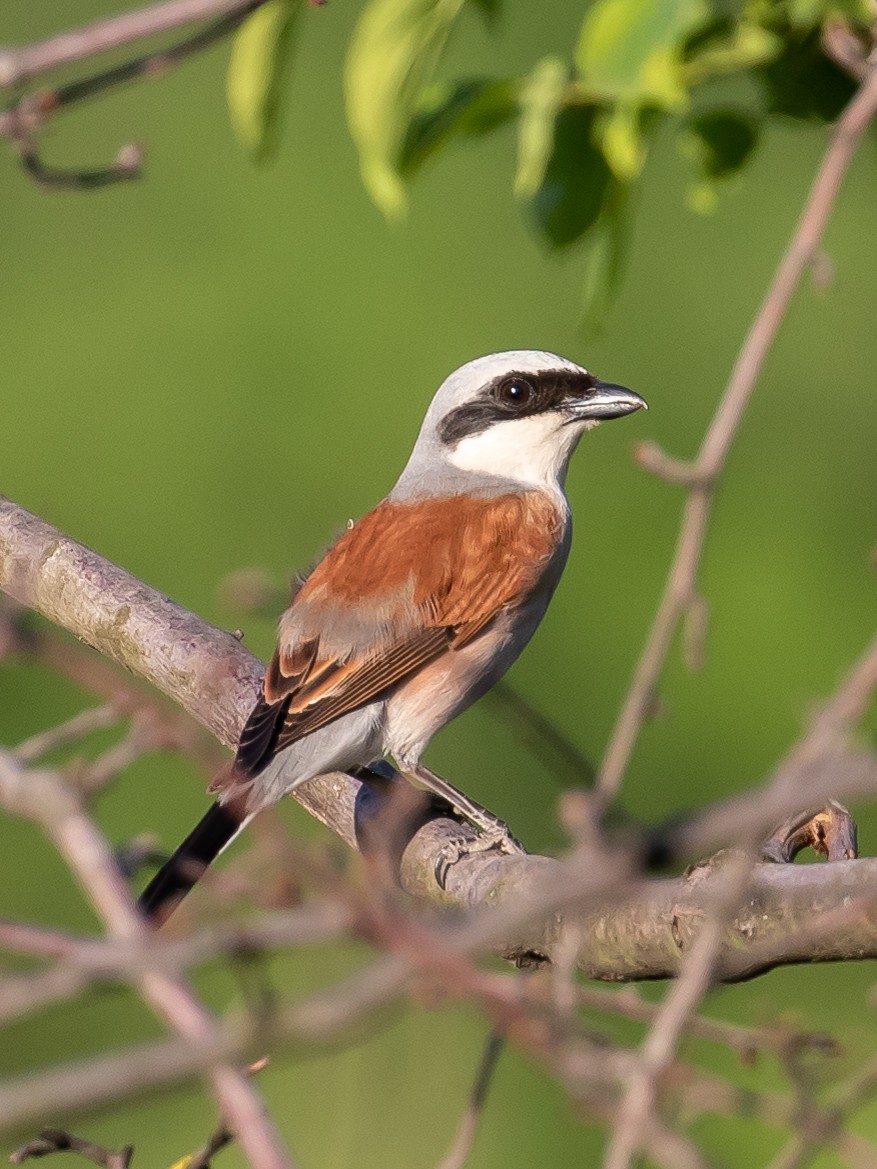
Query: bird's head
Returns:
{"type": "Point", "coordinates": [514, 416]}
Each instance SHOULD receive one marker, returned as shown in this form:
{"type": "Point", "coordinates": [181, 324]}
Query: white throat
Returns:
{"type": "Point", "coordinates": [534, 450]}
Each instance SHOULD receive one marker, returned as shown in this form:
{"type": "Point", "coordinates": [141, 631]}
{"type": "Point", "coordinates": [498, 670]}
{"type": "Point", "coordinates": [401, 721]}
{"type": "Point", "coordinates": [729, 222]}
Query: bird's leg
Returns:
{"type": "Point", "coordinates": [492, 832]}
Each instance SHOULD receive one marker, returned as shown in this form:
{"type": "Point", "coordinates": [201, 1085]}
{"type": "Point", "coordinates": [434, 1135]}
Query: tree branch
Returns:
{"type": "Point", "coordinates": [40, 796]}
{"type": "Point", "coordinates": [22, 64]}
{"type": "Point", "coordinates": [650, 925]}
{"type": "Point", "coordinates": [20, 122]}
{"type": "Point", "coordinates": [57, 1140]}
{"type": "Point", "coordinates": [703, 474]}
{"type": "Point", "coordinates": [781, 898]}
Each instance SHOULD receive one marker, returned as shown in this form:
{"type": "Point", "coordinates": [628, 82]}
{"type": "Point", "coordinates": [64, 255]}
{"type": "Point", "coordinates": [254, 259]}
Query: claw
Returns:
{"type": "Point", "coordinates": [496, 837]}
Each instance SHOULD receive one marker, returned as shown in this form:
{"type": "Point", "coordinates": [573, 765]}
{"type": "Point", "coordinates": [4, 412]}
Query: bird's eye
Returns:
{"type": "Point", "coordinates": [515, 392]}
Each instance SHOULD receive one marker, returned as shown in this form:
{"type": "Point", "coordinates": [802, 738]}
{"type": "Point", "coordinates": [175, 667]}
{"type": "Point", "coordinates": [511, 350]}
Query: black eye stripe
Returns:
{"type": "Point", "coordinates": [497, 402]}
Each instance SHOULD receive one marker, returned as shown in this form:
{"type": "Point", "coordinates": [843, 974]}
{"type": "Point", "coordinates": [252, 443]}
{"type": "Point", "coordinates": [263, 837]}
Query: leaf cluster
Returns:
{"type": "Point", "coordinates": [718, 71]}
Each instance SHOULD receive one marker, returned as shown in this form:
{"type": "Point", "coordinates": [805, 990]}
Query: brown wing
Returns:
{"type": "Point", "coordinates": [424, 587]}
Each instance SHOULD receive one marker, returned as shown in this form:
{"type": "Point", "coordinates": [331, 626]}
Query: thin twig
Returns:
{"type": "Point", "coordinates": [215, 1143]}
{"type": "Point", "coordinates": [707, 467]}
{"type": "Point", "coordinates": [653, 458]}
{"type": "Point", "coordinates": [540, 735]}
{"type": "Point", "coordinates": [127, 166]}
{"type": "Point", "coordinates": [659, 1048]}
{"type": "Point", "coordinates": [829, 730]}
{"type": "Point", "coordinates": [169, 728]}
{"type": "Point", "coordinates": [20, 122]}
{"type": "Point", "coordinates": [82, 724]}
{"type": "Point", "coordinates": [96, 774]}
{"type": "Point", "coordinates": [818, 762]}
{"type": "Point", "coordinates": [461, 1145]}
{"type": "Point", "coordinates": [797, 1152]}
{"type": "Point", "coordinates": [20, 65]}
{"type": "Point", "coordinates": [85, 961]}
{"type": "Point", "coordinates": [42, 797]}
{"type": "Point", "coordinates": [683, 998]}
{"type": "Point", "coordinates": [417, 955]}
{"type": "Point", "coordinates": [747, 1042]}
{"type": "Point", "coordinates": [221, 1135]}
{"type": "Point", "coordinates": [825, 1126]}
{"type": "Point", "coordinates": [845, 48]}
{"type": "Point", "coordinates": [58, 1140]}
{"type": "Point", "coordinates": [856, 1152]}
{"type": "Point", "coordinates": [856, 1091]}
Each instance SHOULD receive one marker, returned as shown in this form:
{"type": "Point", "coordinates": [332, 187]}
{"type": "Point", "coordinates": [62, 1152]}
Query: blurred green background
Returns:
{"type": "Point", "coordinates": [213, 368]}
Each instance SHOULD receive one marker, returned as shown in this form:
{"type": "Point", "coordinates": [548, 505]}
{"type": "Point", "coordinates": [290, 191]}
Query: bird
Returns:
{"type": "Point", "coordinates": [421, 605]}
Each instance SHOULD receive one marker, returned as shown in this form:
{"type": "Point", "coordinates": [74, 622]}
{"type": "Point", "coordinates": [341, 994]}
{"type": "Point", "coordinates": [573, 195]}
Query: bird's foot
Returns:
{"type": "Point", "coordinates": [494, 835]}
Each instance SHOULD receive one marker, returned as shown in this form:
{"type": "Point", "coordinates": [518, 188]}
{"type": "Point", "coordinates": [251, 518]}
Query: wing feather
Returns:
{"type": "Point", "coordinates": [431, 586]}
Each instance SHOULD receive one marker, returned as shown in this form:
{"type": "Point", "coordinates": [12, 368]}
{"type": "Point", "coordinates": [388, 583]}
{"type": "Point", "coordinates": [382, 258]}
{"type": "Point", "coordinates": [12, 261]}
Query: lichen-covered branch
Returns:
{"type": "Point", "coordinates": [793, 914]}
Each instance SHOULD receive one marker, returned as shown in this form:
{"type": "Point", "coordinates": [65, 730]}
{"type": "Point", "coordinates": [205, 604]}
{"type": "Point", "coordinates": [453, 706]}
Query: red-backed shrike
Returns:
{"type": "Point", "coordinates": [423, 604]}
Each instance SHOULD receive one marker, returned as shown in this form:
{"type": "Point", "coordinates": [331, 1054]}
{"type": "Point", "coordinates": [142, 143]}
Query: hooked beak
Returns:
{"type": "Point", "coordinates": [604, 401]}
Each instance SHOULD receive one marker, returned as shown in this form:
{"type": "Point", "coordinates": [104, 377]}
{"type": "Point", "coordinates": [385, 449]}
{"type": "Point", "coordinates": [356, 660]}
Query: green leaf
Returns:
{"type": "Point", "coordinates": [489, 8]}
{"type": "Point", "coordinates": [620, 134]}
{"type": "Point", "coordinates": [445, 111]}
{"type": "Point", "coordinates": [575, 181]}
{"type": "Point", "coordinates": [808, 13]}
{"type": "Point", "coordinates": [631, 50]}
{"type": "Point", "coordinates": [719, 142]}
{"type": "Point", "coordinates": [731, 47]}
{"type": "Point", "coordinates": [260, 57]}
{"type": "Point", "coordinates": [604, 259]}
{"type": "Point", "coordinates": [803, 83]}
{"type": "Point", "coordinates": [542, 95]}
{"type": "Point", "coordinates": [630, 54]}
{"type": "Point", "coordinates": [395, 48]}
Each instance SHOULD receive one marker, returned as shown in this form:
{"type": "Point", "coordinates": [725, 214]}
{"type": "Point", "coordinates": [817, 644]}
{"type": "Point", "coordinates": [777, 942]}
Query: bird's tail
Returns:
{"type": "Point", "coordinates": [184, 869]}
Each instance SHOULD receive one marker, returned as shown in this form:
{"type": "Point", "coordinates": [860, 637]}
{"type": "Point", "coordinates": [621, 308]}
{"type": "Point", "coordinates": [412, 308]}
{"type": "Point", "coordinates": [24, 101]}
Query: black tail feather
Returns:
{"type": "Point", "coordinates": [184, 869]}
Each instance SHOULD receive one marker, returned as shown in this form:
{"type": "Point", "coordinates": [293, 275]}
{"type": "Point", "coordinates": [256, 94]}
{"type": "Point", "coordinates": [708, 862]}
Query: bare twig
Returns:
{"type": "Point", "coordinates": [168, 727]}
{"type": "Point", "coordinates": [87, 961]}
{"type": "Point", "coordinates": [20, 65]}
{"type": "Point", "coordinates": [707, 467]}
{"type": "Point", "coordinates": [829, 730]}
{"type": "Point", "coordinates": [856, 1152]}
{"type": "Point", "coordinates": [464, 1137]}
{"type": "Point", "coordinates": [20, 122]}
{"type": "Point", "coordinates": [540, 735]}
{"type": "Point", "coordinates": [96, 774]}
{"type": "Point", "coordinates": [127, 166]}
{"type": "Point", "coordinates": [203, 668]}
{"type": "Point", "coordinates": [425, 956]}
{"type": "Point", "coordinates": [845, 48]}
{"type": "Point", "coordinates": [831, 832]}
{"type": "Point", "coordinates": [747, 1042]}
{"type": "Point", "coordinates": [215, 1143]}
{"type": "Point", "coordinates": [221, 1135]}
{"type": "Point", "coordinates": [57, 1140]}
{"type": "Point", "coordinates": [75, 728]}
{"type": "Point", "coordinates": [652, 458]}
{"type": "Point", "coordinates": [40, 796]}
{"type": "Point", "coordinates": [680, 1004]}
{"type": "Point", "coordinates": [815, 769]}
